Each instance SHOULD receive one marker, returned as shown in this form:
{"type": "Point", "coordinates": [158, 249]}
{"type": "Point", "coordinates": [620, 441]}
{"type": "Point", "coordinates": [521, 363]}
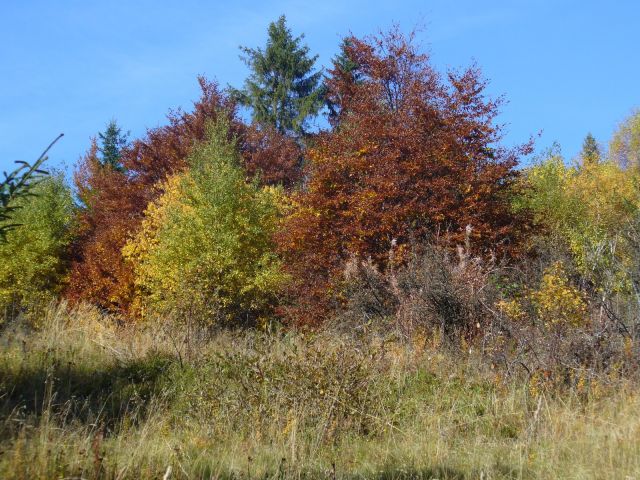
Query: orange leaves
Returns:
{"type": "Point", "coordinates": [115, 201]}
{"type": "Point", "coordinates": [409, 156]}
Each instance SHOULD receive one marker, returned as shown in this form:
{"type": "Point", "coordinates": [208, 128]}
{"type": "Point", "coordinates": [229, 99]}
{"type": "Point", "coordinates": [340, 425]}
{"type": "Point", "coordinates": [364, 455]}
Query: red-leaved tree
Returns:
{"type": "Point", "coordinates": [411, 154]}
{"type": "Point", "coordinates": [114, 201]}
{"type": "Point", "coordinates": [273, 156]}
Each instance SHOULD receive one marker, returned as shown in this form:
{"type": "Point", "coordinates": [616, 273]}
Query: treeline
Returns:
{"type": "Point", "coordinates": [405, 211]}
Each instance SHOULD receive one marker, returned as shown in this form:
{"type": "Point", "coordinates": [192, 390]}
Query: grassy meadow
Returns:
{"type": "Point", "coordinates": [86, 398]}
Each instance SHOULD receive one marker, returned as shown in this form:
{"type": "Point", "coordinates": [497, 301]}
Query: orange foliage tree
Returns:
{"type": "Point", "coordinates": [410, 155]}
{"type": "Point", "coordinates": [114, 201]}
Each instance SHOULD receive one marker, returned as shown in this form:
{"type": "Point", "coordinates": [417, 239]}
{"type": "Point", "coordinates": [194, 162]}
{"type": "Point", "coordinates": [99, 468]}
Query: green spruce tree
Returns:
{"type": "Point", "coordinates": [112, 141]}
{"type": "Point", "coordinates": [590, 154]}
{"type": "Point", "coordinates": [343, 64]}
{"type": "Point", "coordinates": [283, 90]}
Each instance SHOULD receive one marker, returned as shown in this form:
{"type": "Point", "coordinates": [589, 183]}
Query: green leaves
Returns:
{"type": "Point", "coordinates": [113, 140]}
{"type": "Point", "coordinates": [282, 90]}
{"type": "Point", "coordinates": [588, 209]}
{"type": "Point", "coordinates": [33, 258]}
{"type": "Point", "coordinates": [206, 245]}
{"type": "Point", "coordinates": [18, 184]}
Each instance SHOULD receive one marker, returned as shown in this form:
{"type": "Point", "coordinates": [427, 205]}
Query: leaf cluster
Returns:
{"type": "Point", "coordinates": [17, 184]}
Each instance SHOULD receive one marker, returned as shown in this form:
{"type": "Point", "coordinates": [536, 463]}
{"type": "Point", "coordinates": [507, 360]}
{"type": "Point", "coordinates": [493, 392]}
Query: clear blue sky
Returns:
{"type": "Point", "coordinates": [566, 67]}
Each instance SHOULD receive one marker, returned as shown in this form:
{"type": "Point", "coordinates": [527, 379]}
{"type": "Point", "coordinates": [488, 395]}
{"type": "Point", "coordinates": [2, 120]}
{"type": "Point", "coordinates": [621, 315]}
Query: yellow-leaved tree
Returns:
{"type": "Point", "coordinates": [205, 248]}
{"type": "Point", "coordinates": [624, 148]}
{"type": "Point", "coordinates": [34, 258]}
{"type": "Point", "coordinates": [588, 206]}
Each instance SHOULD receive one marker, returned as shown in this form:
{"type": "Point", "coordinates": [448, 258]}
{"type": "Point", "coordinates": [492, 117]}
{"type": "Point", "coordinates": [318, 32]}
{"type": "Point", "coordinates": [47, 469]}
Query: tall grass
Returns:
{"type": "Point", "coordinates": [85, 398]}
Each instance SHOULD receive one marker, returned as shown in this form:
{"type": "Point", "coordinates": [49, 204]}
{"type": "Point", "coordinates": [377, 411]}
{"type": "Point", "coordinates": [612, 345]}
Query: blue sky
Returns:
{"type": "Point", "coordinates": [566, 67]}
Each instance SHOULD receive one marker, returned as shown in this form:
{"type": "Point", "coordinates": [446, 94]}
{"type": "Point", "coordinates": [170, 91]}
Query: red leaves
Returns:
{"type": "Point", "coordinates": [409, 157]}
{"type": "Point", "coordinates": [115, 201]}
{"type": "Point", "coordinates": [273, 156]}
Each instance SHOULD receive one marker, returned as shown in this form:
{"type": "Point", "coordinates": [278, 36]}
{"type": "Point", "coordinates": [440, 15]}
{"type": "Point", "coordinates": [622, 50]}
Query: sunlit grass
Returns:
{"type": "Point", "coordinates": [86, 399]}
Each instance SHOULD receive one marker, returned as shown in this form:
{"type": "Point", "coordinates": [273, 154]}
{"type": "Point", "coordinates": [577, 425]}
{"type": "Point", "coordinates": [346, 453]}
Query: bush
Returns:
{"type": "Point", "coordinates": [205, 247]}
{"type": "Point", "coordinates": [435, 292]}
{"type": "Point", "coordinates": [588, 208]}
{"type": "Point", "coordinates": [33, 261]}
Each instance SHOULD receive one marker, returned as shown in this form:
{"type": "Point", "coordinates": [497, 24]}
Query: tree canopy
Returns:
{"type": "Point", "coordinates": [412, 156]}
{"type": "Point", "coordinates": [282, 90]}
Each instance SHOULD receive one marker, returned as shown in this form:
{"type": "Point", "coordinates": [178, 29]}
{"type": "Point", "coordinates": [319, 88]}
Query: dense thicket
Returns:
{"type": "Point", "coordinates": [405, 212]}
{"type": "Point", "coordinates": [411, 155]}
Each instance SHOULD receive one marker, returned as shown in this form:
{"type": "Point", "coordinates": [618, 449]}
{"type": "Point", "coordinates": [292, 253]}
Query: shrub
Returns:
{"type": "Point", "coordinates": [205, 247]}
{"type": "Point", "coordinates": [33, 261]}
{"type": "Point", "coordinates": [557, 302]}
{"type": "Point", "coordinates": [588, 207]}
{"type": "Point", "coordinates": [434, 293]}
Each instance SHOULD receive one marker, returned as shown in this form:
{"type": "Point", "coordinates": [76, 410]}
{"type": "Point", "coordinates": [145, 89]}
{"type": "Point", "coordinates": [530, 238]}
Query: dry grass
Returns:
{"type": "Point", "coordinates": [84, 398]}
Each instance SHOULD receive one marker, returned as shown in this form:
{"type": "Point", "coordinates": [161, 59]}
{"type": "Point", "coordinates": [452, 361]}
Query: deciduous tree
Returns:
{"type": "Point", "coordinates": [625, 144]}
{"type": "Point", "coordinates": [411, 155]}
{"type": "Point", "coordinates": [206, 245]}
{"type": "Point", "coordinates": [34, 258]}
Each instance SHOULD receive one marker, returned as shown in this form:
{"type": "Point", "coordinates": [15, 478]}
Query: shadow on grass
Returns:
{"type": "Point", "coordinates": [105, 395]}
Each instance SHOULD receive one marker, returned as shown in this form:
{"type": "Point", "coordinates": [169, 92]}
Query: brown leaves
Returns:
{"type": "Point", "coordinates": [115, 201]}
{"type": "Point", "coordinates": [410, 156]}
{"type": "Point", "coordinates": [273, 156]}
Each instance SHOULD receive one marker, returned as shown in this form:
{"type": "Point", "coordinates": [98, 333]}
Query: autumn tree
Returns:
{"type": "Point", "coordinates": [625, 144]}
{"type": "Point", "coordinates": [206, 245]}
{"type": "Point", "coordinates": [114, 200]}
{"type": "Point", "coordinates": [411, 155]}
{"type": "Point", "coordinates": [588, 209]}
{"type": "Point", "coordinates": [283, 90]}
